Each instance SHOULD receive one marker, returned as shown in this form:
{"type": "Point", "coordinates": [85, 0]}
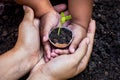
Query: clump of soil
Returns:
{"type": "Point", "coordinates": [64, 37]}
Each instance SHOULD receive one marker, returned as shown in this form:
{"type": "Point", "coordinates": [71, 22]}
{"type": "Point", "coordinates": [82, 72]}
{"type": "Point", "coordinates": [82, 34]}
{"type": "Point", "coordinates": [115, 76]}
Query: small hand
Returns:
{"type": "Point", "coordinates": [66, 66]}
{"type": "Point", "coordinates": [49, 21]}
{"type": "Point", "coordinates": [79, 33]}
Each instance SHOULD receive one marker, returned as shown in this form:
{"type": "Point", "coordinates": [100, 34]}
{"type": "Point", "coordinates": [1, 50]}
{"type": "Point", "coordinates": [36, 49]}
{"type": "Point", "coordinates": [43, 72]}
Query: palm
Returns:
{"type": "Point", "coordinates": [79, 33]}
{"type": "Point", "coordinates": [31, 36]}
{"type": "Point", "coordinates": [67, 66]}
{"type": "Point", "coordinates": [55, 66]}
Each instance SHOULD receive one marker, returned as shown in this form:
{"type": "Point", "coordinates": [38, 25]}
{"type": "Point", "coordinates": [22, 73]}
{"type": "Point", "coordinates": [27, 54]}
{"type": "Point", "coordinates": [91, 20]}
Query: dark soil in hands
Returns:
{"type": "Point", "coordinates": [104, 63]}
{"type": "Point", "coordinates": [64, 37]}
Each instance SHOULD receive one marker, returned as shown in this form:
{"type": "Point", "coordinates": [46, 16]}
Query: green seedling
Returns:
{"type": "Point", "coordinates": [63, 20]}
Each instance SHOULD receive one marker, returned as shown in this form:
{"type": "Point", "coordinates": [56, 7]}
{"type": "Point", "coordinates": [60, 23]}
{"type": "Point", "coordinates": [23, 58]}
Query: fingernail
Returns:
{"type": "Point", "coordinates": [45, 38]}
{"type": "Point", "coordinates": [56, 51]}
{"type": "Point", "coordinates": [72, 50]}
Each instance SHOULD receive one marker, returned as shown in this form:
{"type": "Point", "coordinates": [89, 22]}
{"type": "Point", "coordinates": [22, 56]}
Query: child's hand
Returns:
{"type": "Point", "coordinates": [79, 33]}
{"type": "Point", "coordinates": [49, 21]}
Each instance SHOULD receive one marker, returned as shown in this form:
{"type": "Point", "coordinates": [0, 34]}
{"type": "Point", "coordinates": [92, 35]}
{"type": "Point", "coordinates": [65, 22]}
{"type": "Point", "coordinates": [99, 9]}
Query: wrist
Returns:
{"type": "Point", "coordinates": [40, 12]}
{"type": "Point", "coordinates": [14, 64]}
{"type": "Point", "coordinates": [82, 23]}
{"type": "Point", "coordinates": [45, 73]}
{"type": "Point", "coordinates": [42, 7]}
{"type": "Point", "coordinates": [81, 27]}
{"type": "Point", "coordinates": [40, 76]}
{"type": "Point", "coordinates": [24, 60]}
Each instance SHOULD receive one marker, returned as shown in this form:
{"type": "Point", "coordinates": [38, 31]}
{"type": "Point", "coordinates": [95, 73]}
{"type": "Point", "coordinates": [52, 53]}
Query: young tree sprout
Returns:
{"type": "Point", "coordinates": [63, 20]}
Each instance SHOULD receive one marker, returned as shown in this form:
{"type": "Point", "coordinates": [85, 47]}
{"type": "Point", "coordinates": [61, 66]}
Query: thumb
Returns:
{"type": "Point", "coordinates": [28, 14]}
{"type": "Point", "coordinates": [82, 49]}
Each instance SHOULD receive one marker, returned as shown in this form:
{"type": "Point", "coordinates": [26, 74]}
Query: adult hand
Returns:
{"type": "Point", "coordinates": [28, 36]}
{"type": "Point", "coordinates": [66, 66]}
{"type": "Point", "coordinates": [23, 57]}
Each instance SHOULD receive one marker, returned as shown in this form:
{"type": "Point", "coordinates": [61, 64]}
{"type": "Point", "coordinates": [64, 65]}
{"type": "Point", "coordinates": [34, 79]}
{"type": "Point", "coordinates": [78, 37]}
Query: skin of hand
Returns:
{"type": "Point", "coordinates": [40, 7]}
{"type": "Point", "coordinates": [79, 33]}
{"type": "Point", "coordinates": [81, 11]}
{"type": "Point", "coordinates": [49, 18]}
{"type": "Point", "coordinates": [48, 21]}
{"type": "Point", "coordinates": [25, 54]}
{"type": "Point", "coordinates": [66, 66]}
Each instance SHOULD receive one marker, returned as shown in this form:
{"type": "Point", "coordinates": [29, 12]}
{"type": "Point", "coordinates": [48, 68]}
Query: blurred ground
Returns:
{"type": "Point", "coordinates": [105, 60]}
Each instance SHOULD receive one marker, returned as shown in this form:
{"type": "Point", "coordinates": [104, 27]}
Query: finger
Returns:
{"type": "Point", "coordinates": [90, 35]}
{"type": "Point", "coordinates": [46, 59]}
{"type": "Point", "coordinates": [29, 14]}
{"type": "Point", "coordinates": [66, 13]}
{"type": "Point", "coordinates": [47, 49]}
{"type": "Point", "coordinates": [60, 7]}
{"type": "Point", "coordinates": [74, 44]}
{"type": "Point", "coordinates": [81, 33]}
{"type": "Point", "coordinates": [61, 52]}
{"type": "Point", "coordinates": [81, 51]}
{"type": "Point", "coordinates": [92, 28]}
{"type": "Point", "coordinates": [36, 23]}
{"type": "Point", "coordinates": [53, 54]}
{"type": "Point", "coordinates": [45, 33]}
{"type": "Point", "coordinates": [51, 58]}
{"type": "Point", "coordinates": [46, 26]}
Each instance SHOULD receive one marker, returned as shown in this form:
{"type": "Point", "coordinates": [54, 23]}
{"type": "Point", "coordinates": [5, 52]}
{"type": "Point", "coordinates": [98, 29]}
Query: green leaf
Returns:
{"type": "Point", "coordinates": [68, 17]}
{"type": "Point", "coordinates": [63, 20]}
{"type": "Point", "coordinates": [62, 14]}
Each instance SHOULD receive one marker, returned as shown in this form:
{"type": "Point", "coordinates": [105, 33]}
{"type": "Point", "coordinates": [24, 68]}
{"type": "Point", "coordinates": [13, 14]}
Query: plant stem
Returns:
{"type": "Point", "coordinates": [59, 29]}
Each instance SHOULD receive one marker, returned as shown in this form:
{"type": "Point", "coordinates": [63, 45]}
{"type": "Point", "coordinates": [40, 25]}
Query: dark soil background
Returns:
{"type": "Point", "coordinates": [105, 60]}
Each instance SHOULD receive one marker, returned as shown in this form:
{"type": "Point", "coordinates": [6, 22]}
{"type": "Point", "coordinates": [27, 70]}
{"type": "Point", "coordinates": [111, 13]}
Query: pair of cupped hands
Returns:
{"type": "Point", "coordinates": [61, 67]}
